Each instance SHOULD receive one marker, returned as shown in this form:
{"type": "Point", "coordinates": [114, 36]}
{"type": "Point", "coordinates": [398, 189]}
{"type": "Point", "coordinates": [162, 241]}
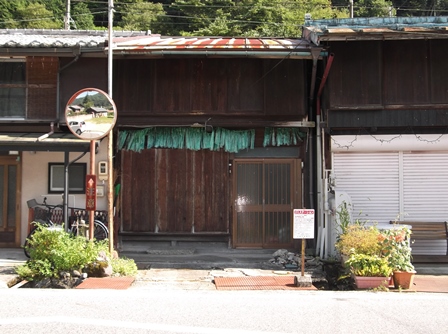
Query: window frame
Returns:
{"type": "Point", "coordinates": [78, 189]}
{"type": "Point", "coordinates": [22, 86]}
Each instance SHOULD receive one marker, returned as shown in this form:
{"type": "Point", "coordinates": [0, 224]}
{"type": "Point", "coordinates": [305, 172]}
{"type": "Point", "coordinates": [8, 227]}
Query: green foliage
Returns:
{"type": "Point", "coordinates": [124, 267]}
{"type": "Point", "coordinates": [141, 15]}
{"type": "Point", "coordinates": [255, 18]}
{"type": "Point", "coordinates": [82, 16]}
{"type": "Point", "coordinates": [369, 265]}
{"type": "Point", "coordinates": [53, 251]}
{"type": "Point", "coordinates": [359, 239]}
{"type": "Point", "coordinates": [37, 16]}
{"type": "Point", "coordinates": [250, 18]}
{"type": "Point", "coordinates": [372, 8]}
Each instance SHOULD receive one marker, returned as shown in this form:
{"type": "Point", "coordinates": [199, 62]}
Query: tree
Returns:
{"type": "Point", "coordinates": [36, 16]}
{"type": "Point", "coordinates": [251, 18]}
{"type": "Point", "coordinates": [372, 8]}
{"type": "Point", "coordinates": [82, 16]}
{"type": "Point", "coordinates": [141, 15]}
{"type": "Point", "coordinates": [8, 13]}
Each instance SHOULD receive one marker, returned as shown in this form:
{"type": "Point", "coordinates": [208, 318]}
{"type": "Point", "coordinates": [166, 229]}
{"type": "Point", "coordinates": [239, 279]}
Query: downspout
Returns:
{"type": "Point", "coordinates": [47, 134]}
{"type": "Point", "coordinates": [319, 160]}
{"type": "Point", "coordinates": [315, 52]}
{"type": "Point", "coordinates": [77, 54]}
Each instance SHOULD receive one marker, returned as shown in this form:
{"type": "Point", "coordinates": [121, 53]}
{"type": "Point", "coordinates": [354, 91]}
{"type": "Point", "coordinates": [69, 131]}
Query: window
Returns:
{"type": "Point", "coordinates": [12, 88]}
{"type": "Point", "coordinates": [76, 178]}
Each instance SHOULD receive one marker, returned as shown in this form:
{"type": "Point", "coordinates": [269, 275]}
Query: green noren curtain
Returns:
{"type": "Point", "coordinates": [196, 139]}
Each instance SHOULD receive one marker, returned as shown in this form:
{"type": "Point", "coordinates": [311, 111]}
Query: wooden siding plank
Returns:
{"type": "Point", "coordinates": [245, 92]}
{"type": "Point", "coordinates": [134, 92]}
{"type": "Point", "coordinates": [438, 67]}
{"type": "Point", "coordinates": [209, 86]}
{"type": "Point", "coordinates": [405, 75]}
{"type": "Point", "coordinates": [175, 189]}
{"type": "Point", "coordinates": [171, 88]}
{"type": "Point", "coordinates": [355, 77]}
{"type": "Point", "coordinates": [285, 87]}
{"type": "Point", "coordinates": [162, 190]}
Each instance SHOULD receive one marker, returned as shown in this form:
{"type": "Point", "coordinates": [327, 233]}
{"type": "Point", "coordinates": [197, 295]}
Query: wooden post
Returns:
{"type": "Point", "coordinates": [303, 257]}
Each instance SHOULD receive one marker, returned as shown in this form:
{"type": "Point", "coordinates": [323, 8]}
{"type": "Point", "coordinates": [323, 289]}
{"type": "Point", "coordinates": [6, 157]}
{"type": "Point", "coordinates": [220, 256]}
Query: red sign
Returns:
{"type": "Point", "coordinates": [91, 192]}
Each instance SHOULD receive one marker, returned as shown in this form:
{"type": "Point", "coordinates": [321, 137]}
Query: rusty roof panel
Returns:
{"type": "Point", "coordinates": [230, 43]}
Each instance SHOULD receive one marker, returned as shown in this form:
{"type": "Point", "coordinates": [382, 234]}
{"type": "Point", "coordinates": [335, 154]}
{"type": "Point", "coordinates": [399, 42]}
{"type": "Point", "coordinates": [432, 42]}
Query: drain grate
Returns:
{"type": "Point", "coordinates": [115, 283]}
{"type": "Point", "coordinates": [258, 283]}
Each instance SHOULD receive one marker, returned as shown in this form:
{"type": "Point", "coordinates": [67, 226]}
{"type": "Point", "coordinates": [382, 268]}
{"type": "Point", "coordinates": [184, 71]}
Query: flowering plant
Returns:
{"type": "Point", "coordinates": [396, 247]}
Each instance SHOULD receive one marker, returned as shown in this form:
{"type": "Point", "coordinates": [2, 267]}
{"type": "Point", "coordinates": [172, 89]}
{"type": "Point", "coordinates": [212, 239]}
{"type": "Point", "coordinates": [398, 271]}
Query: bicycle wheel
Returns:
{"type": "Point", "coordinates": [27, 246]}
{"type": "Point", "coordinates": [100, 231]}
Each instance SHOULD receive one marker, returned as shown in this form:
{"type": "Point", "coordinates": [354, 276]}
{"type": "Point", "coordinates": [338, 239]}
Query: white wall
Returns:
{"type": "Point", "coordinates": [35, 180]}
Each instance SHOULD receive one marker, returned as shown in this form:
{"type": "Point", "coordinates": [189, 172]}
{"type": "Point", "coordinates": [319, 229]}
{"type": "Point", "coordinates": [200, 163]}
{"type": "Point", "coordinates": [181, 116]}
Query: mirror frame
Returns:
{"type": "Point", "coordinates": [75, 96]}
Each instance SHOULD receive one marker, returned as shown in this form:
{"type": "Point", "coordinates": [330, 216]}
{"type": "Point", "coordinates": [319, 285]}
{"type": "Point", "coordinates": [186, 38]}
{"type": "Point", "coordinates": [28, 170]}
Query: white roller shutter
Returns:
{"type": "Point", "coordinates": [385, 185]}
{"type": "Point", "coordinates": [372, 181]}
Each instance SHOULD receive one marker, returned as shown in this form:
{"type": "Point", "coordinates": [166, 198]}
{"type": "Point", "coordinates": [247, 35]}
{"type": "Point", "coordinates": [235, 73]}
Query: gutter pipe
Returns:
{"type": "Point", "coordinates": [322, 228]}
{"type": "Point", "coordinates": [261, 54]}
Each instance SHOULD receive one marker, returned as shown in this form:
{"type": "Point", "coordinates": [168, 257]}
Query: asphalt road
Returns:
{"type": "Point", "coordinates": [141, 310]}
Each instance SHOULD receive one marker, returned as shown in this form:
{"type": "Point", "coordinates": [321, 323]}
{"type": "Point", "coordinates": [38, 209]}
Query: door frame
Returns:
{"type": "Point", "coordinates": [8, 160]}
{"type": "Point", "coordinates": [296, 193]}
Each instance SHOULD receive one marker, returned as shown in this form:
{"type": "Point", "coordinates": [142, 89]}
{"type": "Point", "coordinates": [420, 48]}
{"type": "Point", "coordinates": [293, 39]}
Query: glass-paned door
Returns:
{"type": "Point", "coordinates": [264, 197]}
{"type": "Point", "coordinates": [9, 202]}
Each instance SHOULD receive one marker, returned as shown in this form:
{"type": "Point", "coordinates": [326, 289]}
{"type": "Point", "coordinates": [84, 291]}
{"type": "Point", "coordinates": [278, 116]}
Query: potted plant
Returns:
{"type": "Point", "coordinates": [397, 249]}
{"type": "Point", "coordinates": [369, 271]}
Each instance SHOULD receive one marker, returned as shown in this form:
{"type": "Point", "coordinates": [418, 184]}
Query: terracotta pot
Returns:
{"type": "Point", "coordinates": [404, 279]}
{"type": "Point", "coordinates": [367, 282]}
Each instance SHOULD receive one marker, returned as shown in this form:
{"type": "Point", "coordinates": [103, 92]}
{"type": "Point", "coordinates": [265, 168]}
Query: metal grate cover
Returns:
{"type": "Point", "coordinates": [258, 283]}
{"type": "Point", "coordinates": [115, 283]}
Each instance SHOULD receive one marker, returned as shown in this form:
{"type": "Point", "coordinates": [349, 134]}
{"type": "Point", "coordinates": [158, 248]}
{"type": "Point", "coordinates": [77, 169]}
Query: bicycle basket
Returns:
{"type": "Point", "coordinates": [40, 213]}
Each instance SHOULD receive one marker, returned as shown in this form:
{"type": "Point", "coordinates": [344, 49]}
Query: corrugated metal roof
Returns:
{"type": "Point", "coordinates": [142, 43]}
{"type": "Point", "coordinates": [231, 43]}
{"type": "Point", "coordinates": [392, 28]}
{"type": "Point", "coordinates": [157, 46]}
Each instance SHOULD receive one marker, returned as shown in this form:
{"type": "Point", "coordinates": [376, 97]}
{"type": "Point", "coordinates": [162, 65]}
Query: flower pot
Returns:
{"type": "Point", "coordinates": [367, 282]}
{"type": "Point", "coordinates": [404, 279]}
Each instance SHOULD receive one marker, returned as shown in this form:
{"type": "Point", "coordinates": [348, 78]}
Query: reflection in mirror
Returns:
{"type": "Point", "coordinates": [90, 114]}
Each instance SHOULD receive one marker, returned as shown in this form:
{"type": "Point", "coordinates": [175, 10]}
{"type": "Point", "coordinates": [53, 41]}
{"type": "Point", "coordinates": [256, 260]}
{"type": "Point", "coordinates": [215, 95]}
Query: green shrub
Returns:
{"type": "Point", "coordinates": [124, 267]}
{"type": "Point", "coordinates": [369, 265]}
{"type": "Point", "coordinates": [54, 251]}
{"type": "Point", "coordinates": [359, 239]}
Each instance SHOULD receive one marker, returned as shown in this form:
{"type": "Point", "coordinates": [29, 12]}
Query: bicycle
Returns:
{"type": "Point", "coordinates": [44, 216]}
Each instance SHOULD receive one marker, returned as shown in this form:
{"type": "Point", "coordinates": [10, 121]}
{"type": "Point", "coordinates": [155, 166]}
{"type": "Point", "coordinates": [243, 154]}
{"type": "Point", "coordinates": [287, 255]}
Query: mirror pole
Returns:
{"type": "Point", "coordinates": [92, 172]}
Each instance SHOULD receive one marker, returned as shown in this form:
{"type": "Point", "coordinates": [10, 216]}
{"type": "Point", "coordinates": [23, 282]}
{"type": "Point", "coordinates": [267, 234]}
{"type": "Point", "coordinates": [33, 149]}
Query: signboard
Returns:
{"type": "Point", "coordinates": [91, 192]}
{"type": "Point", "coordinates": [303, 224]}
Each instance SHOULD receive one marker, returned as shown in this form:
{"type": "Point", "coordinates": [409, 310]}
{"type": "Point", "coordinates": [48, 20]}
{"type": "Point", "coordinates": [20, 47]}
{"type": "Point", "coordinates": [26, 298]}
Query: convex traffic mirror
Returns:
{"type": "Point", "coordinates": [90, 114]}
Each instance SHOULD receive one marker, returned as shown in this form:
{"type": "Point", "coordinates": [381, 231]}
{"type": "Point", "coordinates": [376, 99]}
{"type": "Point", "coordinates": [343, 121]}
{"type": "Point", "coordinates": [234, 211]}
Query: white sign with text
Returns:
{"type": "Point", "coordinates": [303, 224]}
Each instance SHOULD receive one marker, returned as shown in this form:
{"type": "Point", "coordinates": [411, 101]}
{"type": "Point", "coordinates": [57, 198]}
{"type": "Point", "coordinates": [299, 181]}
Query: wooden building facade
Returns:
{"type": "Point", "coordinates": [212, 140]}
{"type": "Point", "coordinates": [385, 117]}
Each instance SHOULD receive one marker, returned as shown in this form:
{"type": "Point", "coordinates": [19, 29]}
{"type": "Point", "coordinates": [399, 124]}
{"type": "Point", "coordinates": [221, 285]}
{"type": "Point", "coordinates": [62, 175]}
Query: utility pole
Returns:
{"type": "Point", "coordinates": [67, 17]}
{"type": "Point", "coordinates": [110, 194]}
{"type": "Point", "coordinates": [351, 9]}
